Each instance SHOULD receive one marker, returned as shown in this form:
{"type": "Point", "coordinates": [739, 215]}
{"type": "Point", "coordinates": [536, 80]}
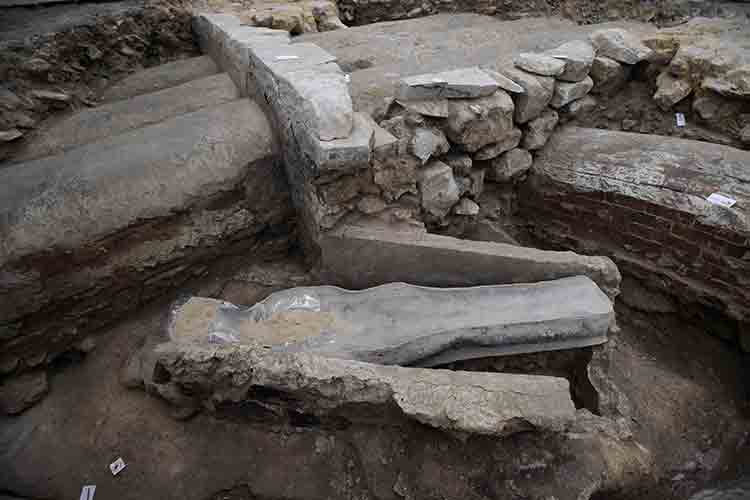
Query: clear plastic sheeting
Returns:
{"type": "Point", "coordinates": [223, 322]}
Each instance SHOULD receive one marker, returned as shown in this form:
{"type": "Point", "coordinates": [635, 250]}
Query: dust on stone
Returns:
{"type": "Point", "coordinates": [196, 318]}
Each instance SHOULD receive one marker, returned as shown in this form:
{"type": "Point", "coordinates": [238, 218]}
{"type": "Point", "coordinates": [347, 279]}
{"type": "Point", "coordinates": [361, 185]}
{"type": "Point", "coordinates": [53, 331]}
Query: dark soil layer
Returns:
{"type": "Point", "coordinates": [85, 49]}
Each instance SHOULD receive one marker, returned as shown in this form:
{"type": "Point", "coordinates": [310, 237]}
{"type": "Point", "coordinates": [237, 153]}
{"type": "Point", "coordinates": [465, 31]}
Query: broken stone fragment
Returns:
{"type": "Point", "coordinates": [466, 207]}
{"type": "Point", "coordinates": [396, 175]}
{"type": "Point", "coordinates": [48, 95]}
{"type": "Point", "coordinates": [608, 75]}
{"type": "Point", "coordinates": [474, 123]}
{"type": "Point", "coordinates": [461, 163]}
{"type": "Point", "coordinates": [504, 82]}
{"type": "Point", "coordinates": [428, 143]}
{"type": "Point", "coordinates": [371, 205]}
{"type": "Point", "coordinates": [566, 92]}
{"type": "Point", "coordinates": [438, 108]}
{"type": "Point", "coordinates": [663, 47]}
{"type": "Point", "coordinates": [712, 107]}
{"type": "Point", "coordinates": [578, 56]}
{"type": "Point", "coordinates": [537, 93]}
{"type": "Point", "coordinates": [438, 188]}
{"type": "Point", "coordinates": [538, 131]}
{"type": "Point", "coordinates": [745, 134]}
{"type": "Point", "coordinates": [456, 84]}
{"type": "Point", "coordinates": [670, 90]}
{"type": "Point", "coordinates": [709, 59]}
{"type": "Point", "coordinates": [510, 165]}
{"type": "Point", "coordinates": [326, 15]}
{"type": "Point", "coordinates": [580, 107]}
{"type": "Point", "coordinates": [21, 392]}
{"type": "Point", "coordinates": [620, 45]}
{"type": "Point", "coordinates": [291, 18]}
{"type": "Point", "coordinates": [510, 141]}
{"type": "Point", "coordinates": [9, 100]}
{"type": "Point", "coordinates": [10, 135]}
{"type": "Point", "coordinates": [735, 83]}
{"type": "Point", "coordinates": [539, 64]}
{"type": "Point", "coordinates": [476, 176]}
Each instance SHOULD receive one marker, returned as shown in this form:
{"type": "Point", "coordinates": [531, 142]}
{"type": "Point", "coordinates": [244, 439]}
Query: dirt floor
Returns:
{"type": "Point", "coordinates": [682, 388]}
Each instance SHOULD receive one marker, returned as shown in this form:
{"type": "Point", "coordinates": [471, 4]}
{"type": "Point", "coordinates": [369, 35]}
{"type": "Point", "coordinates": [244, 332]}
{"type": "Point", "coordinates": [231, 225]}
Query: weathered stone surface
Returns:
{"type": "Point", "coordinates": [504, 82]}
{"type": "Point", "coordinates": [637, 296]}
{"type": "Point", "coordinates": [292, 18]}
{"type": "Point", "coordinates": [668, 179]}
{"type": "Point", "coordinates": [578, 56]}
{"type": "Point", "coordinates": [539, 64]}
{"type": "Point", "coordinates": [466, 207]}
{"type": "Point", "coordinates": [580, 107]}
{"type": "Point", "coordinates": [608, 75]}
{"type": "Point", "coordinates": [469, 402]}
{"type": "Point", "coordinates": [537, 93]}
{"type": "Point", "coordinates": [91, 125]}
{"type": "Point", "coordinates": [362, 257]}
{"type": "Point", "coordinates": [708, 57]}
{"type": "Point", "coordinates": [566, 92]}
{"type": "Point", "coordinates": [663, 47]}
{"type": "Point", "coordinates": [456, 84]}
{"type": "Point", "coordinates": [490, 230]}
{"type": "Point", "coordinates": [510, 165]}
{"type": "Point", "coordinates": [161, 77]}
{"type": "Point", "coordinates": [438, 108]}
{"type": "Point", "coordinates": [319, 100]}
{"type": "Point", "coordinates": [510, 141]}
{"type": "Point", "coordinates": [326, 14]}
{"type": "Point", "coordinates": [401, 324]}
{"type": "Point", "coordinates": [728, 490]}
{"type": "Point", "coordinates": [428, 143]}
{"type": "Point", "coordinates": [713, 107]}
{"type": "Point", "coordinates": [10, 135]}
{"type": "Point", "coordinates": [670, 90]}
{"type": "Point", "coordinates": [461, 163]}
{"type": "Point", "coordinates": [49, 95]}
{"type": "Point", "coordinates": [538, 131]}
{"type": "Point", "coordinates": [19, 393]}
{"type": "Point", "coordinates": [438, 188]}
{"type": "Point", "coordinates": [735, 83]}
{"type": "Point", "coordinates": [478, 122]}
{"type": "Point", "coordinates": [349, 153]}
{"type": "Point", "coordinates": [745, 134]}
{"type": "Point", "coordinates": [371, 205]}
{"type": "Point", "coordinates": [620, 45]}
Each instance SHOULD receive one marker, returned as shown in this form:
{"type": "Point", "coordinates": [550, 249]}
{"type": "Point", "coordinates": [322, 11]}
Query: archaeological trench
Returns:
{"type": "Point", "coordinates": [379, 249]}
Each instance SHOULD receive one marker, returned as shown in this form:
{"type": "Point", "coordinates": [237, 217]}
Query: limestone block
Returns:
{"type": "Point", "coordinates": [578, 56]}
{"type": "Point", "coordinates": [510, 141]}
{"type": "Point", "coordinates": [510, 165]}
{"type": "Point", "coordinates": [620, 45]}
{"type": "Point", "coordinates": [670, 90]}
{"type": "Point", "coordinates": [539, 64]}
{"type": "Point", "coordinates": [438, 188]}
{"type": "Point", "coordinates": [566, 92]}
{"type": "Point", "coordinates": [474, 123]}
{"type": "Point", "coordinates": [538, 130]}
{"type": "Point", "coordinates": [538, 91]}
{"type": "Point", "coordinates": [608, 75]}
{"type": "Point", "coordinates": [456, 84]}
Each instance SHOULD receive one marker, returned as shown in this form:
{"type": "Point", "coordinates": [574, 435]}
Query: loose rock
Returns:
{"type": "Point", "coordinates": [538, 130]}
{"type": "Point", "coordinates": [580, 107]}
{"type": "Point", "coordinates": [466, 207]}
{"type": "Point", "coordinates": [478, 122]}
{"type": "Point", "coordinates": [608, 75]}
{"type": "Point", "coordinates": [538, 91]}
{"type": "Point", "coordinates": [713, 107]}
{"type": "Point", "coordinates": [10, 135]}
{"type": "Point", "coordinates": [21, 392]}
{"type": "Point", "coordinates": [461, 163]}
{"type": "Point", "coordinates": [539, 64]}
{"type": "Point", "coordinates": [438, 108]}
{"type": "Point", "coordinates": [618, 44]}
{"type": "Point", "coordinates": [510, 141]}
{"type": "Point", "coordinates": [428, 142]}
{"type": "Point", "coordinates": [457, 84]}
{"type": "Point", "coordinates": [566, 92]}
{"type": "Point", "coordinates": [670, 90]}
{"type": "Point", "coordinates": [510, 165]}
{"type": "Point", "coordinates": [578, 56]}
{"type": "Point", "coordinates": [504, 82]}
{"type": "Point", "coordinates": [438, 188]}
{"type": "Point", "coordinates": [48, 95]}
{"type": "Point", "coordinates": [371, 205]}
{"type": "Point", "coordinates": [735, 83]}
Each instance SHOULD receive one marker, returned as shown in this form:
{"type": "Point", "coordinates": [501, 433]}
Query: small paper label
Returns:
{"type": "Point", "coordinates": [680, 118]}
{"type": "Point", "coordinates": [117, 466]}
{"type": "Point", "coordinates": [286, 58]}
{"type": "Point", "coordinates": [87, 493]}
{"type": "Point", "coordinates": [720, 199]}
